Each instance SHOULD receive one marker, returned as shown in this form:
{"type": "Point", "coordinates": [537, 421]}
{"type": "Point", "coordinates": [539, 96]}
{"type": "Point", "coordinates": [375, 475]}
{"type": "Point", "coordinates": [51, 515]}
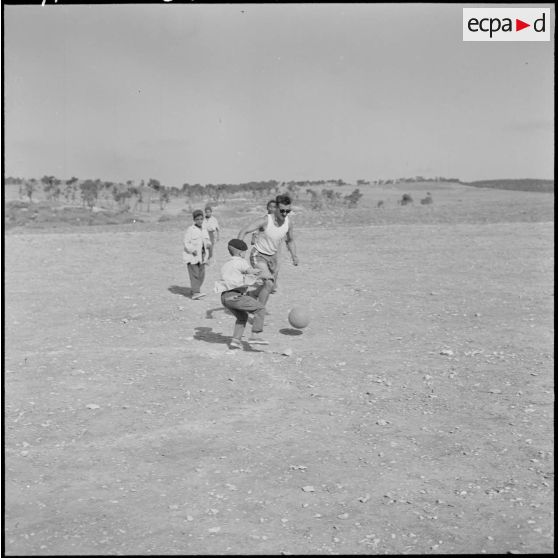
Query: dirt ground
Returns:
{"type": "Point", "coordinates": [414, 415]}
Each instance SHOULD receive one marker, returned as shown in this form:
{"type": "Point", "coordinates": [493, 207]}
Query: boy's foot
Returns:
{"type": "Point", "coordinates": [235, 344]}
{"type": "Point", "coordinates": [197, 296]}
{"type": "Point", "coordinates": [258, 341]}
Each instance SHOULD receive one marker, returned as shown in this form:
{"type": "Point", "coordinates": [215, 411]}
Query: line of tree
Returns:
{"type": "Point", "coordinates": [329, 198]}
{"type": "Point", "coordinates": [133, 196]}
{"type": "Point", "coordinates": [410, 179]}
{"type": "Point", "coordinates": [525, 184]}
{"type": "Point", "coordinates": [143, 194]}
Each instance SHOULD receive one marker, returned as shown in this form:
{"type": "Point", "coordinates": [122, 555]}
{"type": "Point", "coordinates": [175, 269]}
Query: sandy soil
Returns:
{"type": "Point", "coordinates": [413, 415]}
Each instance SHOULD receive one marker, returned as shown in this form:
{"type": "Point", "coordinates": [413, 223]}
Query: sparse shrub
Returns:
{"type": "Point", "coordinates": [164, 197]}
{"type": "Point", "coordinates": [330, 197]}
{"type": "Point", "coordinates": [380, 203]}
{"type": "Point", "coordinates": [121, 197]}
{"type": "Point", "coordinates": [353, 198]}
{"type": "Point", "coordinates": [406, 199]}
{"type": "Point", "coordinates": [427, 200]}
{"type": "Point", "coordinates": [29, 190]}
{"type": "Point", "coordinates": [89, 193]}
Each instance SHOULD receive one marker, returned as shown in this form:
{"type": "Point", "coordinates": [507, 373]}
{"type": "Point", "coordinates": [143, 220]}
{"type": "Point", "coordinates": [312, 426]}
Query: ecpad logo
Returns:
{"type": "Point", "coordinates": [506, 24]}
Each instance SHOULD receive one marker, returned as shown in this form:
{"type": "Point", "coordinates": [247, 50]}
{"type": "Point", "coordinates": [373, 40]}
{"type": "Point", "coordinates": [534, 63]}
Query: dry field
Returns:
{"type": "Point", "coordinates": [414, 415]}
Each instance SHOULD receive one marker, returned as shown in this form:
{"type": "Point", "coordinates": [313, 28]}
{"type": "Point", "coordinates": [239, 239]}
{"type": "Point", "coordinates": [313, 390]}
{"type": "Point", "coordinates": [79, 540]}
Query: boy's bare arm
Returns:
{"type": "Point", "coordinates": [291, 246]}
{"type": "Point", "coordinates": [254, 226]}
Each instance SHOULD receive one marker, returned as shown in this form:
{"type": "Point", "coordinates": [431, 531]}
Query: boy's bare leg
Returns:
{"type": "Point", "coordinates": [267, 285]}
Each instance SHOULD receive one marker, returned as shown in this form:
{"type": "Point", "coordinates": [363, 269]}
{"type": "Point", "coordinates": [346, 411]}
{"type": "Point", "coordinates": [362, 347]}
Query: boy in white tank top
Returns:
{"type": "Point", "coordinates": [274, 228]}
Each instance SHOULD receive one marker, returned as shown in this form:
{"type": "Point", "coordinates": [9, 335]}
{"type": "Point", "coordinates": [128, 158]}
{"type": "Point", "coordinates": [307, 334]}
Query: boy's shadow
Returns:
{"type": "Point", "coordinates": [209, 336]}
{"type": "Point", "coordinates": [184, 291]}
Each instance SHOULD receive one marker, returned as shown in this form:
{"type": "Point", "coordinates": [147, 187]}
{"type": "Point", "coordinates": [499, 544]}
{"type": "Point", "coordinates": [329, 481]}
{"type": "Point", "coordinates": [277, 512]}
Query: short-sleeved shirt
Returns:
{"type": "Point", "coordinates": [233, 275]}
{"type": "Point", "coordinates": [211, 224]}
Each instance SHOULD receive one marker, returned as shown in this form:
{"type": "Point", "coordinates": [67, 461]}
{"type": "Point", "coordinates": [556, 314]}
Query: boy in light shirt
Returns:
{"type": "Point", "coordinates": [195, 253]}
{"type": "Point", "coordinates": [237, 279]}
{"type": "Point", "coordinates": [212, 226]}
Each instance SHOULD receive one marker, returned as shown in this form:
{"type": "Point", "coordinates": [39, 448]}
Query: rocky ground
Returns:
{"type": "Point", "coordinates": [414, 415]}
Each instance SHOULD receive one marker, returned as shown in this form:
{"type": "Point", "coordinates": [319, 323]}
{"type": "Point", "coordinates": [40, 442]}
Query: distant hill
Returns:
{"type": "Point", "coordinates": [525, 184]}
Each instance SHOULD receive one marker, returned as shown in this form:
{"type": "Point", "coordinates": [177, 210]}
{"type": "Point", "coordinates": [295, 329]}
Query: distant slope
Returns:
{"type": "Point", "coordinates": [525, 184]}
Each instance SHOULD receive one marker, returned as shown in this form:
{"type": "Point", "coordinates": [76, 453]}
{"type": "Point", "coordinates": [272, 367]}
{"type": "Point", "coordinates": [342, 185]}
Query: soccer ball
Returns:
{"type": "Point", "coordinates": [298, 317]}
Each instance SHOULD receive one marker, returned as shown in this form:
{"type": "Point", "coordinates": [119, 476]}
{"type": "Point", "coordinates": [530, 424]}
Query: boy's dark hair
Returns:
{"type": "Point", "coordinates": [197, 213]}
{"type": "Point", "coordinates": [283, 199]}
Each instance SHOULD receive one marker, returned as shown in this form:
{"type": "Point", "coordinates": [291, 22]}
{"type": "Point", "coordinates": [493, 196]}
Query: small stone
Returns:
{"type": "Point", "coordinates": [93, 406]}
{"type": "Point", "coordinates": [447, 352]}
{"type": "Point", "coordinates": [343, 516]}
{"type": "Point", "coordinates": [382, 422]}
{"type": "Point", "coordinates": [214, 529]}
{"type": "Point", "coordinates": [308, 488]}
{"type": "Point", "coordinates": [364, 499]}
{"type": "Point", "coordinates": [287, 352]}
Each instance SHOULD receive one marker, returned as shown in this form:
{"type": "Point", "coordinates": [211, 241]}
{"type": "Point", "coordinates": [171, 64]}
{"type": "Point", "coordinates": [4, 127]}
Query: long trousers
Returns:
{"type": "Point", "coordinates": [197, 276]}
{"type": "Point", "coordinates": [241, 305]}
{"type": "Point", "coordinates": [212, 240]}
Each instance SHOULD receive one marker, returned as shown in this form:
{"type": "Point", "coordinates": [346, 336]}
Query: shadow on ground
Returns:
{"type": "Point", "coordinates": [290, 331]}
{"type": "Point", "coordinates": [209, 336]}
{"type": "Point", "coordinates": [184, 291]}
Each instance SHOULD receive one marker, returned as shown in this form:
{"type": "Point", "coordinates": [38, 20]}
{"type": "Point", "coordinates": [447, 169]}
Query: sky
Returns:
{"type": "Point", "coordinates": [231, 93]}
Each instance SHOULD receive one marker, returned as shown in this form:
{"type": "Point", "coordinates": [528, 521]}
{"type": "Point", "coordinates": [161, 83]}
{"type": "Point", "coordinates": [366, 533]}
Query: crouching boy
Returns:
{"type": "Point", "coordinates": [237, 284]}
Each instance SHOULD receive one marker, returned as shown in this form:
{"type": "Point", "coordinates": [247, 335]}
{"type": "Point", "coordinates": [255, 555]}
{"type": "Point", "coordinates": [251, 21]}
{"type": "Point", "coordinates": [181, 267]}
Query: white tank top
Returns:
{"type": "Point", "coordinates": [270, 239]}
